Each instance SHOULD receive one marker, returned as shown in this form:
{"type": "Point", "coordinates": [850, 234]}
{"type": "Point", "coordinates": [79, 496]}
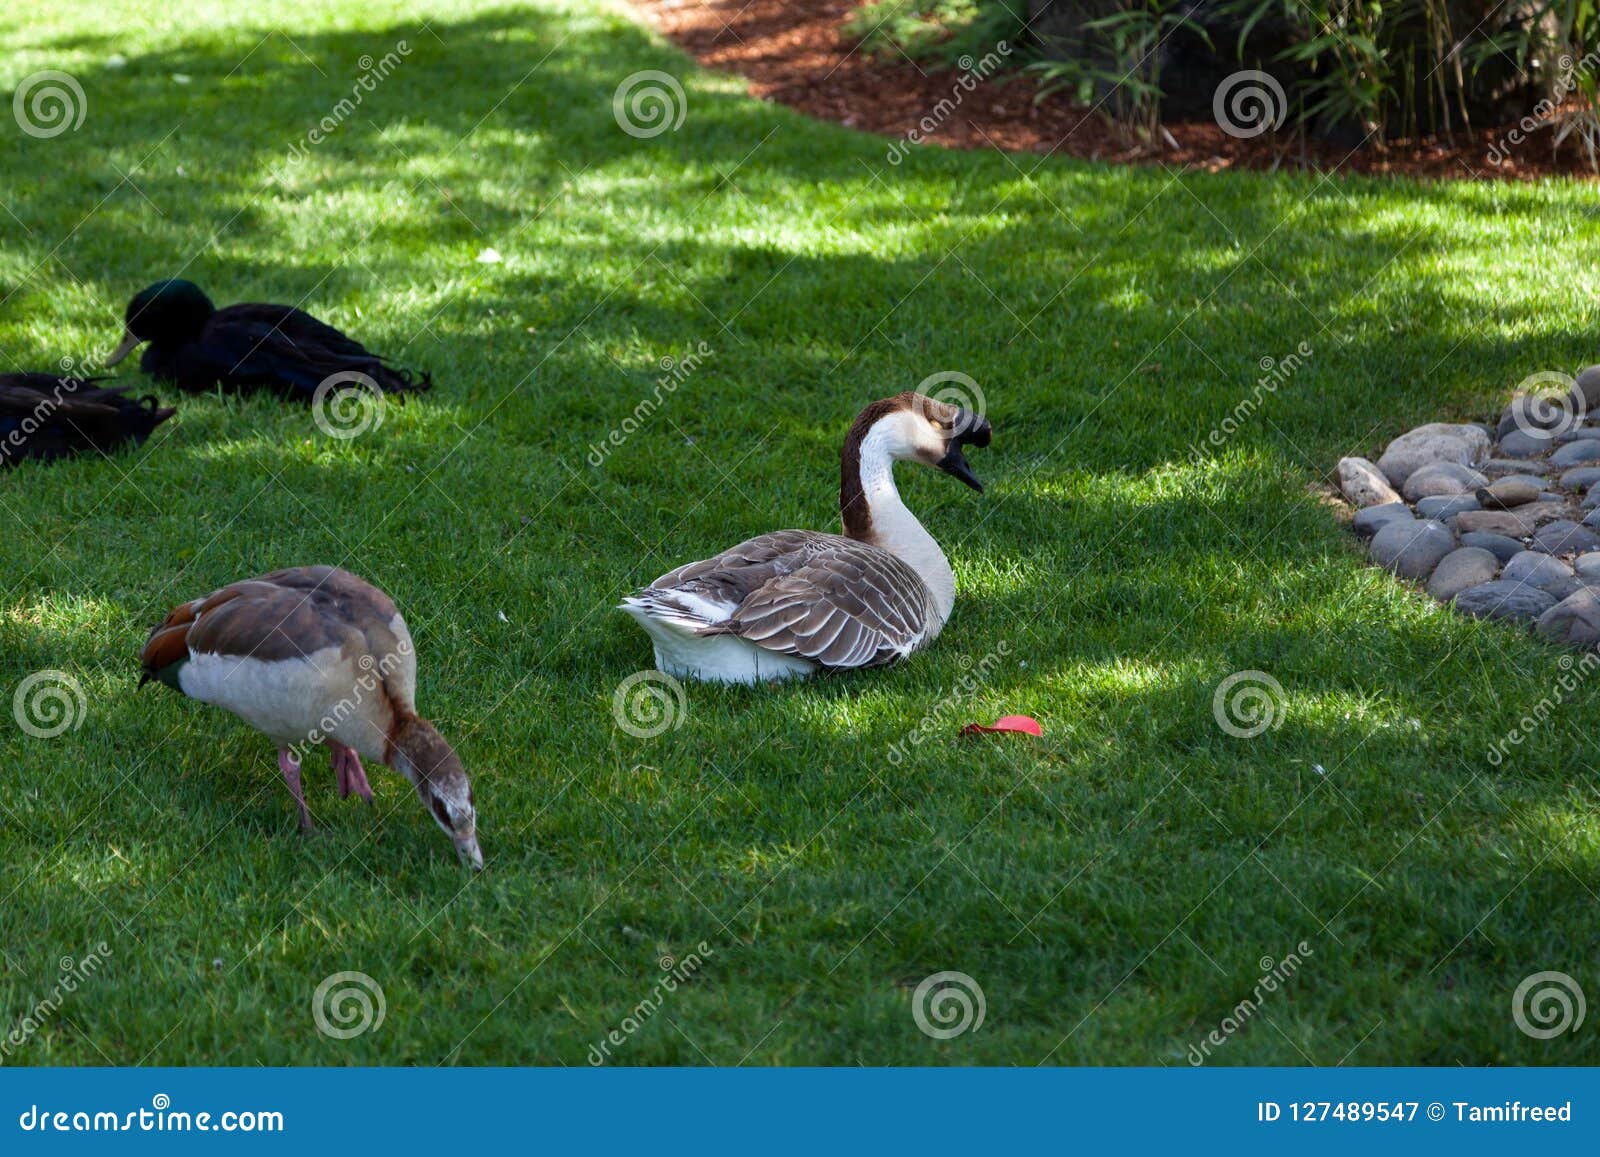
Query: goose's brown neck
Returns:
{"type": "Point", "coordinates": [854, 510]}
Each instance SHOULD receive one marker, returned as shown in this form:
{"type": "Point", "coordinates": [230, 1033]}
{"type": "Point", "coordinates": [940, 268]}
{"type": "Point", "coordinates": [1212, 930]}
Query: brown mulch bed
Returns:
{"type": "Point", "coordinates": [793, 52]}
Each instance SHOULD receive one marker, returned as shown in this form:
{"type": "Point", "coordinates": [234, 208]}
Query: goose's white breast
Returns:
{"type": "Point", "coordinates": [292, 700]}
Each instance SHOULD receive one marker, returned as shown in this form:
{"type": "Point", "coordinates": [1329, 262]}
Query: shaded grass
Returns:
{"type": "Point", "coordinates": [1113, 888]}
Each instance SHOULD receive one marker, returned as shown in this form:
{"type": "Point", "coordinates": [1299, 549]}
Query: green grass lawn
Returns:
{"type": "Point", "coordinates": [1112, 888]}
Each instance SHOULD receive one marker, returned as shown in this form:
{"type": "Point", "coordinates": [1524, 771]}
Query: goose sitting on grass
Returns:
{"type": "Point", "coordinates": [316, 655]}
{"type": "Point", "coordinates": [794, 602]}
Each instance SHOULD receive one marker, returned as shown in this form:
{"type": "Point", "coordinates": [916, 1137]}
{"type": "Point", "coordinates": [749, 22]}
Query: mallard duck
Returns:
{"type": "Point", "coordinates": [245, 347]}
{"type": "Point", "coordinates": [314, 655]}
{"type": "Point", "coordinates": [794, 602]}
{"type": "Point", "coordinates": [47, 416]}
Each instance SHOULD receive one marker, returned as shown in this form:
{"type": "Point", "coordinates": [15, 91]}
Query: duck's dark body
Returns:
{"type": "Point", "coordinates": [275, 347]}
{"type": "Point", "coordinates": [45, 416]}
{"type": "Point", "coordinates": [243, 348]}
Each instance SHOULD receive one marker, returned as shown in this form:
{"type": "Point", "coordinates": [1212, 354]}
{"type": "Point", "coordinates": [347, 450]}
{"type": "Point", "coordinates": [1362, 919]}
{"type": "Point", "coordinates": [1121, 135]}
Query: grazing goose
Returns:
{"type": "Point", "coordinates": [311, 655]}
{"type": "Point", "coordinates": [46, 416]}
{"type": "Point", "coordinates": [793, 602]}
{"type": "Point", "coordinates": [245, 347]}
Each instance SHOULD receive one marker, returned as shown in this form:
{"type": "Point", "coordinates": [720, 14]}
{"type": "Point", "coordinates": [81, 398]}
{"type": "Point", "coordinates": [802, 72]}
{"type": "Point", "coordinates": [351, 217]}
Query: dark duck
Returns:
{"type": "Point", "coordinates": [47, 416]}
{"type": "Point", "coordinates": [247, 347]}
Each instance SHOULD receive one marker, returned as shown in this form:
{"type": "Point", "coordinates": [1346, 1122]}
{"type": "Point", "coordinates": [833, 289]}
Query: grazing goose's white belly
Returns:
{"type": "Point", "coordinates": [323, 696]}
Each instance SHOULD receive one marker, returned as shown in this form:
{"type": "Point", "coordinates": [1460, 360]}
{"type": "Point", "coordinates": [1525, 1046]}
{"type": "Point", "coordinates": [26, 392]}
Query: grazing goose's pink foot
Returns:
{"type": "Point", "coordinates": [347, 767]}
{"type": "Point", "coordinates": [291, 775]}
{"type": "Point", "coordinates": [340, 774]}
{"type": "Point", "coordinates": [358, 777]}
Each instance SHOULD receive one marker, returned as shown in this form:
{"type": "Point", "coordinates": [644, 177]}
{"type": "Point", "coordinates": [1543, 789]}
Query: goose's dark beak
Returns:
{"type": "Point", "coordinates": [129, 341]}
{"type": "Point", "coordinates": [970, 430]}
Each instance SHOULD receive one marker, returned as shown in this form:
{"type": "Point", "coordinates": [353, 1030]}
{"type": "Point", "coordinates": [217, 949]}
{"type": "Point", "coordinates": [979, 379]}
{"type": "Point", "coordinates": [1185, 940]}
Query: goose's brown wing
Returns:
{"type": "Point", "coordinates": [287, 614]}
{"type": "Point", "coordinates": [736, 573]}
{"type": "Point", "coordinates": [848, 605]}
{"type": "Point", "coordinates": [822, 597]}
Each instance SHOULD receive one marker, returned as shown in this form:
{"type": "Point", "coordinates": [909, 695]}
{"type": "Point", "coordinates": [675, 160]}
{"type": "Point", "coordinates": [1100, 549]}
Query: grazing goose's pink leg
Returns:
{"type": "Point", "coordinates": [291, 774]}
{"type": "Point", "coordinates": [340, 774]}
{"type": "Point", "coordinates": [352, 776]}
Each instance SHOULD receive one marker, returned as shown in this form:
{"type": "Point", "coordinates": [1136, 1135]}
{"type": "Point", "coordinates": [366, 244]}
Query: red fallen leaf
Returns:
{"type": "Point", "coordinates": [1025, 724]}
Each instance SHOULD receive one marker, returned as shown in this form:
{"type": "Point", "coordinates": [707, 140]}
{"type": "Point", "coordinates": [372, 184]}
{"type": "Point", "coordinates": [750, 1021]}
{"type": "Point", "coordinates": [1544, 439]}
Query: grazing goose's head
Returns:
{"type": "Point", "coordinates": [166, 311]}
{"type": "Point", "coordinates": [423, 756]}
{"type": "Point", "coordinates": [907, 427]}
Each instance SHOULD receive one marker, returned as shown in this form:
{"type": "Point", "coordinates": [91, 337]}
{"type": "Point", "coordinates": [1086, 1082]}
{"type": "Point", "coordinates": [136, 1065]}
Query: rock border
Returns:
{"type": "Point", "coordinates": [1499, 524]}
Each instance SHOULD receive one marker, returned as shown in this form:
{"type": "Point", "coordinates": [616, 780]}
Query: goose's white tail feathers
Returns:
{"type": "Point", "coordinates": [677, 622]}
{"type": "Point", "coordinates": [678, 609]}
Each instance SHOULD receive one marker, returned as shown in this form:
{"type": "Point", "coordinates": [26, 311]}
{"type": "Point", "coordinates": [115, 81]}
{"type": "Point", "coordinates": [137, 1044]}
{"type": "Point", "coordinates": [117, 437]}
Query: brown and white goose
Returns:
{"type": "Point", "coordinates": [787, 604]}
{"type": "Point", "coordinates": [314, 655]}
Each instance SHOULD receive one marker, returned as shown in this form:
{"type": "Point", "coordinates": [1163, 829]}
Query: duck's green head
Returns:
{"type": "Point", "coordinates": [172, 310]}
